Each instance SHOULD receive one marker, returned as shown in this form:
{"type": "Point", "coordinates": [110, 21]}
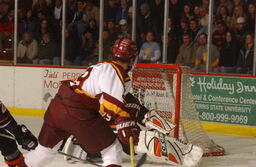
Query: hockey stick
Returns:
{"type": "Point", "coordinates": [142, 160]}
{"type": "Point", "coordinates": [7, 136]}
{"type": "Point", "coordinates": [131, 151]}
{"type": "Point", "coordinates": [79, 159]}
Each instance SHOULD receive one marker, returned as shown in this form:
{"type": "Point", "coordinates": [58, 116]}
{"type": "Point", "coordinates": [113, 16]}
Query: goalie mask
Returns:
{"type": "Point", "coordinates": [125, 50]}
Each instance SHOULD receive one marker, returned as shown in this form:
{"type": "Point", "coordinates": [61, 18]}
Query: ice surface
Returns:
{"type": "Point", "coordinates": [241, 151]}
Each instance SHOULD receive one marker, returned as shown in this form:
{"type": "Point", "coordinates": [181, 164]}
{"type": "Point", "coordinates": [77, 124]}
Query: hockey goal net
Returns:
{"type": "Point", "coordinates": [167, 89]}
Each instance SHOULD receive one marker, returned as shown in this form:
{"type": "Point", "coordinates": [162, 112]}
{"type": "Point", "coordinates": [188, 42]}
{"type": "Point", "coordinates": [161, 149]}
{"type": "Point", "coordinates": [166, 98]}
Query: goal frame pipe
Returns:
{"type": "Point", "coordinates": [178, 70]}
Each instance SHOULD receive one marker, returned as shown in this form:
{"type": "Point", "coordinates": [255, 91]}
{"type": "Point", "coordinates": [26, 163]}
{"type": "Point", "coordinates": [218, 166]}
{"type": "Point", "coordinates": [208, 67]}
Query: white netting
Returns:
{"type": "Point", "coordinates": [156, 89]}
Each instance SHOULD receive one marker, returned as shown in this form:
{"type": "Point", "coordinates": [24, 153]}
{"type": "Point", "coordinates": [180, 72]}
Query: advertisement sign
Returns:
{"type": "Point", "coordinates": [221, 99]}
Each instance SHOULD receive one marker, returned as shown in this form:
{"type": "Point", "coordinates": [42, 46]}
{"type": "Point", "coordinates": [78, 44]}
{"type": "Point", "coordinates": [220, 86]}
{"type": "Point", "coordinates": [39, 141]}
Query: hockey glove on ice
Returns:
{"type": "Point", "coordinates": [126, 128]}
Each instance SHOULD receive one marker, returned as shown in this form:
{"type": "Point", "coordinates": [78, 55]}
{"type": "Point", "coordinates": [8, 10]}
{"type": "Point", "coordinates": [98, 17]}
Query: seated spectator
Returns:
{"type": "Point", "coordinates": [173, 41]}
{"type": "Point", "coordinates": [107, 45]}
{"type": "Point", "coordinates": [27, 49]}
{"type": "Point", "coordinates": [193, 29]}
{"type": "Point", "coordinates": [204, 21]}
{"type": "Point", "coordinates": [223, 15]}
{"type": "Point", "coordinates": [110, 10]}
{"type": "Point", "coordinates": [196, 13]}
{"type": "Point", "coordinates": [202, 55]}
{"type": "Point", "coordinates": [122, 11]}
{"type": "Point", "coordinates": [245, 58]}
{"type": "Point", "coordinates": [43, 28]}
{"type": "Point", "coordinates": [250, 19]}
{"type": "Point", "coordinates": [112, 29]}
{"type": "Point", "coordinates": [86, 48]}
{"type": "Point", "coordinates": [27, 24]}
{"type": "Point", "coordinates": [224, 4]}
{"type": "Point", "coordinates": [77, 24]}
{"type": "Point", "coordinates": [187, 51]}
{"type": "Point", "coordinates": [71, 48]}
{"type": "Point", "coordinates": [184, 27]}
{"type": "Point", "coordinates": [7, 31]}
{"type": "Point", "coordinates": [228, 54]}
{"type": "Point", "coordinates": [150, 50]}
{"type": "Point", "coordinates": [41, 5]}
{"type": "Point", "coordinates": [237, 12]}
{"type": "Point", "coordinates": [218, 36]}
{"type": "Point", "coordinates": [92, 25]}
{"type": "Point", "coordinates": [48, 52]}
{"type": "Point", "coordinates": [124, 29]}
{"type": "Point", "coordinates": [91, 12]}
{"type": "Point", "coordinates": [187, 12]}
{"type": "Point", "coordinates": [240, 30]}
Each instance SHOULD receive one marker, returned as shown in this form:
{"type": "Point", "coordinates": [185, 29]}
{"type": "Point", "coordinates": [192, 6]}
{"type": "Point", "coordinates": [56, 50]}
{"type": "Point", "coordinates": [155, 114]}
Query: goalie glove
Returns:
{"type": "Point", "coordinates": [153, 120]}
{"type": "Point", "coordinates": [125, 128]}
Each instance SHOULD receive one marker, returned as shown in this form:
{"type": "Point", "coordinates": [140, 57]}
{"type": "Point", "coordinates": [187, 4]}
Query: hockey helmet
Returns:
{"type": "Point", "coordinates": [124, 50]}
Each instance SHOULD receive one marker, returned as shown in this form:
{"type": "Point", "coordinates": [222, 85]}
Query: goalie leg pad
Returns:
{"type": "Point", "coordinates": [168, 150]}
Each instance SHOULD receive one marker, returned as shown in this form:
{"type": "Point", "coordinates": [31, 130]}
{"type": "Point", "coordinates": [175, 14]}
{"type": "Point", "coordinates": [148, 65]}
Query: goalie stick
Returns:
{"type": "Point", "coordinates": [79, 159]}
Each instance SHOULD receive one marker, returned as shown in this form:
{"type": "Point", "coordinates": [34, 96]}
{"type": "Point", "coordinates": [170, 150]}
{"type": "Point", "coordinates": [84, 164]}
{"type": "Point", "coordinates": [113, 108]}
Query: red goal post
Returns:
{"type": "Point", "coordinates": [166, 88]}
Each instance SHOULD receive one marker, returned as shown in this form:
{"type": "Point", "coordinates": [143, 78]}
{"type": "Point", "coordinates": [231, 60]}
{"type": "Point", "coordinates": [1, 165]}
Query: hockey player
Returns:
{"type": "Point", "coordinates": [10, 129]}
{"type": "Point", "coordinates": [83, 107]}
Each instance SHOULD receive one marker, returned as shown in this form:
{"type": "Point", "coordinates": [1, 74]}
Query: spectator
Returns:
{"type": "Point", "coordinates": [122, 12]}
{"type": "Point", "coordinates": [176, 7]}
{"type": "Point", "coordinates": [145, 22]}
{"type": "Point", "coordinates": [157, 7]}
{"type": "Point", "coordinates": [57, 10]}
{"type": "Point", "coordinates": [150, 50]}
{"type": "Point", "coordinates": [48, 52]}
{"type": "Point", "coordinates": [173, 42]}
{"type": "Point", "coordinates": [184, 27]}
{"type": "Point", "coordinates": [250, 19]}
{"type": "Point", "coordinates": [204, 17]}
{"type": "Point", "coordinates": [223, 15]}
{"type": "Point", "coordinates": [224, 4]}
{"type": "Point", "coordinates": [71, 48]}
{"type": "Point", "coordinates": [86, 48]}
{"type": "Point", "coordinates": [228, 54]}
{"type": "Point", "coordinates": [240, 30]}
{"type": "Point", "coordinates": [187, 51]}
{"type": "Point", "coordinates": [41, 5]}
{"type": "Point", "coordinates": [187, 12]}
{"type": "Point", "coordinates": [91, 12]}
{"type": "Point", "coordinates": [107, 43]}
{"type": "Point", "coordinates": [194, 29]}
{"type": "Point", "coordinates": [44, 28]}
{"type": "Point", "coordinates": [205, 4]}
{"type": "Point", "coordinates": [4, 8]}
{"type": "Point", "coordinates": [27, 49]}
{"type": "Point", "coordinates": [92, 25]}
{"type": "Point", "coordinates": [77, 25]}
{"type": "Point", "coordinates": [218, 36]}
{"type": "Point", "coordinates": [196, 13]}
{"type": "Point", "coordinates": [110, 10]}
{"type": "Point", "coordinates": [27, 24]}
{"type": "Point", "coordinates": [245, 58]}
{"type": "Point", "coordinates": [113, 31]}
{"type": "Point", "coordinates": [237, 12]}
{"type": "Point", "coordinates": [202, 55]}
{"type": "Point", "coordinates": [124, 29]}
{"type": "Point", "coordinates": [7, 31]}
{"type": "Point", "coordinates": [238, 3]}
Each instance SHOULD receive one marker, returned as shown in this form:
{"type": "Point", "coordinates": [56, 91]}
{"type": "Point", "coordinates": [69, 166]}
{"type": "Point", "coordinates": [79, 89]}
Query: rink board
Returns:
{"type": "Point", "coordinates": [27, 91]}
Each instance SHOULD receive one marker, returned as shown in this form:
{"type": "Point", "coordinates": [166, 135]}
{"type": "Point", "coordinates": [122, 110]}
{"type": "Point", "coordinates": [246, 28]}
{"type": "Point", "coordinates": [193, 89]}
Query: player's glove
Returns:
{"type": "Point", "coordinates": [25, 138]}
{"type": "Point", "coordinates": [126, 128]}
{"type": "Point", "coordinates": [134, 108]}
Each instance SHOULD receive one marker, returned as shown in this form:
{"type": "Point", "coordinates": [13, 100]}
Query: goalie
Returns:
{"type": "Point", "coordinates": [155, 141]}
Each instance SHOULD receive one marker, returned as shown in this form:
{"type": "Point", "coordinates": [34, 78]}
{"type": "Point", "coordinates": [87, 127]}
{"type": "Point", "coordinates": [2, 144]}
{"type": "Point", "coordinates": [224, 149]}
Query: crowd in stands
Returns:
{"type": "Point", "coordinates": [40, 21]}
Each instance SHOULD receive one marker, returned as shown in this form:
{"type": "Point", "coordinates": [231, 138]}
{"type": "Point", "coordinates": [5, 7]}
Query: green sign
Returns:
{"type": "Point", "coordinates": [225, 99]}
